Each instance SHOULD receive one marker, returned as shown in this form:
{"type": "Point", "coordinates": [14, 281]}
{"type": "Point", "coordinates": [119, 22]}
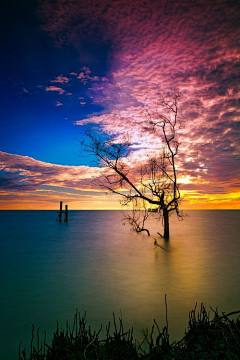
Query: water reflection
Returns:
{"type": "Point", "coordinates": [94, 263]}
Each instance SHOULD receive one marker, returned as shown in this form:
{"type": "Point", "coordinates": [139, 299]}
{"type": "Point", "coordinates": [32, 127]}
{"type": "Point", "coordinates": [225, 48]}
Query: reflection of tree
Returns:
{"type": "Point", "coordinates": [151, 187]}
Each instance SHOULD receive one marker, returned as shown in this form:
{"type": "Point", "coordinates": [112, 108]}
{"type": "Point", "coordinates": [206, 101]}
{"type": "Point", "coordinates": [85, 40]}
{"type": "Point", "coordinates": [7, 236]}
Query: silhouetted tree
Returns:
{"type": "Point", "coordinates": [151, 187]}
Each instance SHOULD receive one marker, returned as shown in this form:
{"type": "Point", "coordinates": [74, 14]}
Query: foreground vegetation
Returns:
{"type": "Point", "coordinates": [218, 338]}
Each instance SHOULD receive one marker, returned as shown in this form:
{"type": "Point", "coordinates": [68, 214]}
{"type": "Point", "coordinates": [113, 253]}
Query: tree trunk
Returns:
{"type": "Point", "coordinates": [166, 223]}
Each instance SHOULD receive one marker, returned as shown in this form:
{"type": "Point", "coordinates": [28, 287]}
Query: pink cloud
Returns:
{"type": "Point", "coordinates": [29, 183]}
{"type": "Point", "coordinates": [55, 88]}
{"type": "Point", "coordinates": [27, 173]}
{"type": "Point", "coordinates": [161, 47]}
{"type": "Point", "coordinates": [84, 75]}
{"type": "Point", "coordinates": [81, 76]}
{"type": "Point", "coordinates": [60, 79]}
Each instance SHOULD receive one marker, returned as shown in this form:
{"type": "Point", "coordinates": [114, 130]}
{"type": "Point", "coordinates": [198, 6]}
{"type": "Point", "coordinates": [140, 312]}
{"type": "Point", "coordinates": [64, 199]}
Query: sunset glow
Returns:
{"type": "Point", "coordinates": [68, 66]}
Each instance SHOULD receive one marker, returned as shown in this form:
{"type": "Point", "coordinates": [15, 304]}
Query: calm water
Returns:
{"type": "Point", "coordinates": [94, 263]}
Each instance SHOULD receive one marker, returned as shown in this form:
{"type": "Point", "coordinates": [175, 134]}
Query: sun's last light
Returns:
{"type": "Point", "coordinates": [47, 200]}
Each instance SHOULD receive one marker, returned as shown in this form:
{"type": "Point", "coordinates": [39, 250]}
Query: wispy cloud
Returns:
{"type": "Point", "coordinates": [154, 47]}
{"type": "Point", "coordinates": [29, 183]}
{"type": "Point", "coordinates": [160, 47]}
{"type": "Point", "coordinates": [26, 183]}
{"type": "Point", "coordinates": [49, 199]}
{"type": "Point", "coordinates": [60, 80]}
{"type": "Point", "coordinates": [26, 173]}
{"type": "Point", "coordinates": [59, 90]}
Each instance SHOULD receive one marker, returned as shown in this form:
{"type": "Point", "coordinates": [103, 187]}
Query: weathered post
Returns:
{"type": "Point", "coordinates": [66, 213]}
{"type": "Point", "coordinates": [60, 212]}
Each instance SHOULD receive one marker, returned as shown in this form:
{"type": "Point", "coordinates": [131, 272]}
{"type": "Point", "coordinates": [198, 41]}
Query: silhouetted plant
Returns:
{"type": "Point", "coordinates": [204, 339]}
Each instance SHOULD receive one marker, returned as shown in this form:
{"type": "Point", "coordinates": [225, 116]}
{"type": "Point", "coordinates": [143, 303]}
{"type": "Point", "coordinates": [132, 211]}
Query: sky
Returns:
{"type": "Point", "coordinates": [69, 64]}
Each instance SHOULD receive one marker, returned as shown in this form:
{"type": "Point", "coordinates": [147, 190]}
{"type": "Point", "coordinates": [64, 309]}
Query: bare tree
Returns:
{"type": "Point", "coordinates": [151, 187]}
{"type": "Point", "coordinates": [137, 218]}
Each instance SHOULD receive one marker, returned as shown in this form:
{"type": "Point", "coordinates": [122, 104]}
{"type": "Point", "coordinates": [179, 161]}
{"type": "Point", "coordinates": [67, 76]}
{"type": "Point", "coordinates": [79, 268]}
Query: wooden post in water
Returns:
{"type": "Point", "coordinates": [66, 213]}
{"type": "Point", "coordinates": [60, 212]}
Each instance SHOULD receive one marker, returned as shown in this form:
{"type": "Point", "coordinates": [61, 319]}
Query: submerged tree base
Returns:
{"type": "Point", "coordinates": [204, 339]}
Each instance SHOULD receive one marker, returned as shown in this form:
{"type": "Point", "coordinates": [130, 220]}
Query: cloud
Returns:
{"type": "Point", "coordinates": [84, 76]}
{"type": "Point", "coordinates": [163, 47]}
{"type": "Point", "coordinates": [55, 88]}
{"type": "Point", "coordinates": [60, 79]}
{"type": "Point", "coordinates": [26, 173]}
{"type": "Point", "coordinates": [50, 198]}
{"type": "Point", "coordinates": [26, 183]}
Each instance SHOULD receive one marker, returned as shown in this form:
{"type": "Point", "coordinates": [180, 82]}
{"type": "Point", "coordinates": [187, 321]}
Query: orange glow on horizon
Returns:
{"type": "Point", "coordinates": [48, 200]}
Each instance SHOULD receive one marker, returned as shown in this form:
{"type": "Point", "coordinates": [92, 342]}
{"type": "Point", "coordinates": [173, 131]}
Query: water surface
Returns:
{"type": "Point", "coordinates": [97, 264]}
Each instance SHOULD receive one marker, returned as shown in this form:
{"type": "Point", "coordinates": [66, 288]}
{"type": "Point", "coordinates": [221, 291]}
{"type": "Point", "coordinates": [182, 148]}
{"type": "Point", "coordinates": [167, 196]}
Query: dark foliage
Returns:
{"type": "Point", "coordinates": [204, 339]}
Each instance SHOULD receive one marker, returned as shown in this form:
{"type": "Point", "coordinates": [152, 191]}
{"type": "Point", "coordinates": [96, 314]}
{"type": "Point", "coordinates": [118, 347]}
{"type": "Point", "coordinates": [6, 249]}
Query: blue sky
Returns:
{"type": "Point", "coordinates": [31, 122]}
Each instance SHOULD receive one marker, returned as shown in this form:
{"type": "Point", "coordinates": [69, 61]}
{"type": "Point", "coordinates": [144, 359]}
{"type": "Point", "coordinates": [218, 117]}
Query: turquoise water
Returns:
{"type": "Point", "coordinates": [97, 264]}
